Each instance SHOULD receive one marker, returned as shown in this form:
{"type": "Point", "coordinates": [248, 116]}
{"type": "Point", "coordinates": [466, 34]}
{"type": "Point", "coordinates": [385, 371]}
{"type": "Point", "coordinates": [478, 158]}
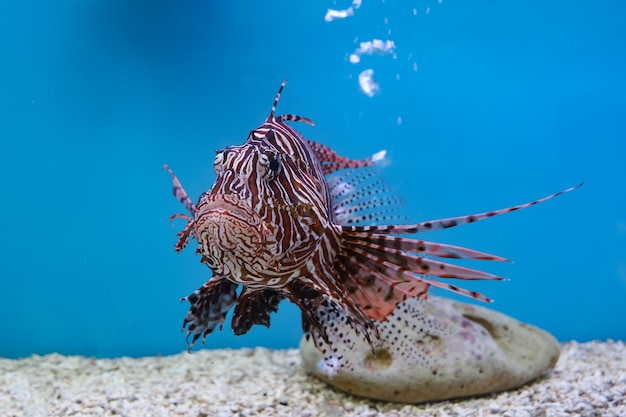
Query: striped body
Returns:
{"type": "Point", "coordinates": [289, 218]}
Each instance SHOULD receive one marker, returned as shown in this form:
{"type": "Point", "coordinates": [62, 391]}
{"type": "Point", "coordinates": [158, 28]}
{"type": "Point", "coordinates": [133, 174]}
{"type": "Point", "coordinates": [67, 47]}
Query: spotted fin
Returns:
{"type": "Point", "coordinates": [361, 196]}
{"type": "Point", "coordinates": [446, 223]}
{"type": "Point", "coordinates": [381, 271]}
{"type": "Point", "coordinates": [333, 343]}
{"type": "Point", "coordinates": [254, 306]}
{"type": "Point", "coordinates": [209, 305]}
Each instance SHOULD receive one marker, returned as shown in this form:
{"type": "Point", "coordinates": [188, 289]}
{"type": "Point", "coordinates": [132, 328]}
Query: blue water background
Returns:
{"type": "Point", "coordinates": [500, 102]}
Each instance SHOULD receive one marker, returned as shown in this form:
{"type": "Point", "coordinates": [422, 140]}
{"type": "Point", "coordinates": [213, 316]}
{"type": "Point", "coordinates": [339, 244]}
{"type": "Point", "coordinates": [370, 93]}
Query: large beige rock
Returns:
{"type": "Point", "coordinates": [434, 350]}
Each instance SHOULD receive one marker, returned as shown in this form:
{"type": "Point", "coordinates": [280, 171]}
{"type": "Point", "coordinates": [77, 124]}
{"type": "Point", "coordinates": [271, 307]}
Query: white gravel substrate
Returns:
{"type": "Point", "coordinates": [589, 380]}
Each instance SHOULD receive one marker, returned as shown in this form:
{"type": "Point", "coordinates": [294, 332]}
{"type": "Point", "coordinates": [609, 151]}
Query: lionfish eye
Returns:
{"type": "Point", "coordinates": [270, 134]}
{"type": "Point", "coordinates": [274, 165]}
{"type": "Point", "coordinates": [270, 165]}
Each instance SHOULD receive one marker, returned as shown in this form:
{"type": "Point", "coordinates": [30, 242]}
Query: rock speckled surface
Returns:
{"type": "Point", "coordinates": [434, 350]}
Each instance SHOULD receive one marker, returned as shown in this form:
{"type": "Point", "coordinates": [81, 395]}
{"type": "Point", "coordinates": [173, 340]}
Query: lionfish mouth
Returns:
{"type": "Point", "coordinates": [229, 233]}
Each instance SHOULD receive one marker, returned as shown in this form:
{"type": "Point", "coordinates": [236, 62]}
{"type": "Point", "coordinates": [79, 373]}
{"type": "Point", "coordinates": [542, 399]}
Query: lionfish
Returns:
{"type": "Point", "coordinates": [284, 219]}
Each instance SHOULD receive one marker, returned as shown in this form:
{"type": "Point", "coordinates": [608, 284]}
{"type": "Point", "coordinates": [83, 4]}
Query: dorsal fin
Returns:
{"type": "Point", "coordinates": [290, 117]}
{"type": "Point", "coordinates": [270, 118]}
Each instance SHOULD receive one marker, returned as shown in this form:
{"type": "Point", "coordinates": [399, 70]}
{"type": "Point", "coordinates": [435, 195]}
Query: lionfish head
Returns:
{"type": "Point", "coordinates": [268, 207]}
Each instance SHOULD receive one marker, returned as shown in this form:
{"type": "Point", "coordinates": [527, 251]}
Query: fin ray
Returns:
{"type": "Point", "coordinates": [439, 224]}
